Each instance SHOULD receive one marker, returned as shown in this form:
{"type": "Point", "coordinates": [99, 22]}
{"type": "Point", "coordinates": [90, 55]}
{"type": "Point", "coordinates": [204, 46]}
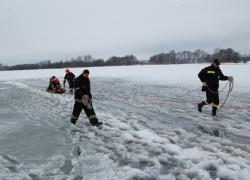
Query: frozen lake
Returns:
{"type": "Point", "coordinates": [150, 130]}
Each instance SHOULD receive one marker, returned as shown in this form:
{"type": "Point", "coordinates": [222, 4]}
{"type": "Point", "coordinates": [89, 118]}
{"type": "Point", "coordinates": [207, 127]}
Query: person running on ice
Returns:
{"type": "Point", "coordinates": [54, 83]}
{"type": "Point", "coordinates": [69, 77]}
{"type": "Point", "coordinates": [210, 77]}
{"type": "Point", "coordinates": [83, 100]}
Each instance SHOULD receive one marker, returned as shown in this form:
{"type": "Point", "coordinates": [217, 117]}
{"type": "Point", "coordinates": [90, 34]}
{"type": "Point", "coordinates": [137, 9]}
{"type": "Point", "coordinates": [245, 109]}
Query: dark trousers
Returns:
{"type": "Point", "coordinates": [212, 97]}
{"type": "Point", "coordinates": [89, 111]}
{"type": "Point", "coordinates": [71, 84]}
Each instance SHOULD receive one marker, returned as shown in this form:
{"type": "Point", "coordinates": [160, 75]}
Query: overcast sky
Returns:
{"type": "Point", "coordinates": [36, 30]}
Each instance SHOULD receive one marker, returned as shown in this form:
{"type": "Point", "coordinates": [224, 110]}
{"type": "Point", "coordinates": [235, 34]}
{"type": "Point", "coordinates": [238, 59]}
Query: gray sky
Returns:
{"type": "Point", "coordinates": [36, 30]}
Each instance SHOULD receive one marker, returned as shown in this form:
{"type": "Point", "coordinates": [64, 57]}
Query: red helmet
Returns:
{"type": "Point", "coordinates": [52, 78]}
{"type": "Point", "coordinates": [55, 80]}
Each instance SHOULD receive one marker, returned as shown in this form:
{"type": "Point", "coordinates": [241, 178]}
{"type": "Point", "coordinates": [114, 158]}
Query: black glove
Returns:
{"type": "Point", "coordinates": [204, 88]}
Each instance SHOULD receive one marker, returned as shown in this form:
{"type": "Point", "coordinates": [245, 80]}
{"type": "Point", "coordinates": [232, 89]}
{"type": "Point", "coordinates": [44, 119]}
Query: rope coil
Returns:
{"type": "Point", "coordinates": [230, 89]}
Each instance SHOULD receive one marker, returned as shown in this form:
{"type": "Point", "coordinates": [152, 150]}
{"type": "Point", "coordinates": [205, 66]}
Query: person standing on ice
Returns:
{"type": "Point", "coordinates": [210, 77]}
{"type": "Point", "coordinates": [83, 100]}
{"type": "Point", "coordinates": [69, 77]}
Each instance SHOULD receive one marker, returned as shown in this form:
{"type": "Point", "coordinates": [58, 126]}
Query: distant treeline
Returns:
{"type": "Point", "coordinates": [85, 61]}
{"type": "Point", "coordinates": [172, 57]}
{"type": "Point", "coordinates": [198, 56]}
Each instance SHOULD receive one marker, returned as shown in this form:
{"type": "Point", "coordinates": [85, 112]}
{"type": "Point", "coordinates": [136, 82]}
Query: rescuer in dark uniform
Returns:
{"type": "Point", "coordinates": [83, 99]}
{"type": "Point", "coordinates": [210, 77]}
{"type": "Point", "coordinates": [69, 77]}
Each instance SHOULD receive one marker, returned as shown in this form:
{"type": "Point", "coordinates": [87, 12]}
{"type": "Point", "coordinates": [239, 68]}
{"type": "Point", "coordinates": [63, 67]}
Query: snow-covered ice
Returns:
{"type": "Point", "coordinates": [150, 130]}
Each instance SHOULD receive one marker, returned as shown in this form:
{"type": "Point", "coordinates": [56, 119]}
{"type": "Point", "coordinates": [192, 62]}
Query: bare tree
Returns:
{"type": "Point", "coordinates": [227, 55]}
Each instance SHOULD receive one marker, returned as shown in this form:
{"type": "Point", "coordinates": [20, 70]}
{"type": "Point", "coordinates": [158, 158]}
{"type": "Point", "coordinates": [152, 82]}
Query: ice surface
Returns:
{"type": "Point", "coordinates": [150, 130]}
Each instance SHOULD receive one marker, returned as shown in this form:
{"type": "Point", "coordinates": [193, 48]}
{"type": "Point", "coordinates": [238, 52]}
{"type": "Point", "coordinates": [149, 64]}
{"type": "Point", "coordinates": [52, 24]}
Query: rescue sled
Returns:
{"type": "Point", "coordinates": [57, 91]}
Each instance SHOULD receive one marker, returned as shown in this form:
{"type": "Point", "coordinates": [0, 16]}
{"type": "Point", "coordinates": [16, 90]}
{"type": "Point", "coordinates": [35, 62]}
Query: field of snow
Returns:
{"type": "Point", "coordinates": [151, 131]}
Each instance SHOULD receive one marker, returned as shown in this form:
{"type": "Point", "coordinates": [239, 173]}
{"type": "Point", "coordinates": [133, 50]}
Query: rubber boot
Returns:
{"type": "Point", "coordinates": [96, 123]}
{"type": "Point", "coordinates": [214, 110]}
{"type": "Point", "coordinates": [73, 121]}
{"type": "Point", "coordinates": [200, 105]}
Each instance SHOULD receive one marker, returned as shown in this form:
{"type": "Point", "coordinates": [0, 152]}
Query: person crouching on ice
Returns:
{"type": "Point", "coordinates": [54, 83]}
{"type": "Point", "coordinates": [210, 77]}
{"type": "Point", "coordinates": [69, 77]}
{"type": "Point", "coordinates": [83, 100]}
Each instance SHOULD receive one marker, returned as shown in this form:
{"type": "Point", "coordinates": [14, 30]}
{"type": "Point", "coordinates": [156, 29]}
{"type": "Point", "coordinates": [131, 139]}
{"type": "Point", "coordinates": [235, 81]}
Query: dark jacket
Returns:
{"type": "Point", "coordinates": [82, 87]}
{"type": "Point", "coordinates": [211, 76]}
{"type": "Point", "coordinates": [69, 77]}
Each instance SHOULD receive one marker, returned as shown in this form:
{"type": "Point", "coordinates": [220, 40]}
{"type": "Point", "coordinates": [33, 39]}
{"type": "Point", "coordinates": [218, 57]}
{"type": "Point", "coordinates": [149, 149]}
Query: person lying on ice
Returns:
{"type": "Point", "coordinates": [69, 77]}
{"type": "Point", "coordinates": [210, 77]}
{"type": "Point", "coordinates": [83, 100]}
{"type": "Point", "coordinates": [54, 84]}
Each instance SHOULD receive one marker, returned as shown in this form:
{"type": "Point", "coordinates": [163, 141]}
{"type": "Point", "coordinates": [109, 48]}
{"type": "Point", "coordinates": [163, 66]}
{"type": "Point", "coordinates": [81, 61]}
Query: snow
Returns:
{"type": "Point", "coordinates": [146, 134]}
{"type": "Point", "coordinates": [182, 74]}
